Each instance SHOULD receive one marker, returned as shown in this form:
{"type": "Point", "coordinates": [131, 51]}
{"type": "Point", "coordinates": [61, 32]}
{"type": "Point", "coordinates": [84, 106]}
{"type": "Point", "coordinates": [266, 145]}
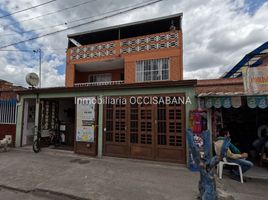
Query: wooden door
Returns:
{"type": "Point", "coordinates": [170, 131]}
{"type": "Point", "coordinates": [115, 130]}
{"type": "Point", "coordinates": [142, 131]}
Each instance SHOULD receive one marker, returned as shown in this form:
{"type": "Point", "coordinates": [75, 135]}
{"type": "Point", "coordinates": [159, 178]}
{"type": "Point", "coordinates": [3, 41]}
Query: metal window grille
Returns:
{"type": "Point", "coordinates": [8, 111]}
{"type": "Point", "coordinates": [152, 70]}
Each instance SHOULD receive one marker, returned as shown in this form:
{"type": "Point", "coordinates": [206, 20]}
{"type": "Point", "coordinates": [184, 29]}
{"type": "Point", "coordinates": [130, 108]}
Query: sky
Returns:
{"type": "Point", "coordinates": [216, 33]}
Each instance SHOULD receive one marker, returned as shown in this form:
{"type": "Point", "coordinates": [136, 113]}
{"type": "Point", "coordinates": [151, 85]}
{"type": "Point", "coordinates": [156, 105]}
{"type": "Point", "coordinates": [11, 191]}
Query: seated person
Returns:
{"type": "Point", "coordinates": [233, 154]}
{"type": "Point", "coordinates": [262, 141]}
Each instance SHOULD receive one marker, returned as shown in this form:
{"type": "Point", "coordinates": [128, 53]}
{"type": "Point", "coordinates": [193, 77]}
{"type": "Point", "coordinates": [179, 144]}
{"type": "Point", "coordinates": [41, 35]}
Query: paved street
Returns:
{"type": "Point", "coordinates": [89, 178]}
{"type": "Point", "coordinates": [252, 189]}
{"type": "Point", "coordinates": [56, 175]}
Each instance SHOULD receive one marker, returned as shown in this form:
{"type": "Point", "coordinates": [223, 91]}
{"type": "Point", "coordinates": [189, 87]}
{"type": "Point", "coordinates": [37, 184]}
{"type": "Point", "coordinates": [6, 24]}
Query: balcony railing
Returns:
{"type": "Point", "coordinates": [126, 46]}
{"type": "Point", "coordinates": [93, 51]}
{"type": "Point", "coordinates": [98, 83]}
{"type": "Point", "coordinates": [149, 42]}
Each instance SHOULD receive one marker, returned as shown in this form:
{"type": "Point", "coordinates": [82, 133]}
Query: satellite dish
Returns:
{"type": "Point", "coordinates": [32, 79]}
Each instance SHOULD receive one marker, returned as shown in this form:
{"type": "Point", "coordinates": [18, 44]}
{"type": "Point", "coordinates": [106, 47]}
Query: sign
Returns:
{"type": "Point", "coordinates": [251, 102]}
{"type": "Point", "coordinates": [227, 102]}
{"type": "Point", "coordinates": [255, 79]}
{"type": "Point", "coordinates": [236, 102]}
{"type": "Point", "coordinates": [85, 119]}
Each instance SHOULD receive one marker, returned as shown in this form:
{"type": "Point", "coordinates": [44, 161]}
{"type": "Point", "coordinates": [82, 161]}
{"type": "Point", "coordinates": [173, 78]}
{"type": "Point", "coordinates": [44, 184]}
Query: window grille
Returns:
{"type": "Point", "coordinates": [152, 70]}
{"type": "Point", "coordinates": [8, 111]}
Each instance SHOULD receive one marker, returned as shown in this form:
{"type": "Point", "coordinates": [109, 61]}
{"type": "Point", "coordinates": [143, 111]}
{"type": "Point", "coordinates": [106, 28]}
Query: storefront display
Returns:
{"type": "Point", "coordinates": [198, 124]}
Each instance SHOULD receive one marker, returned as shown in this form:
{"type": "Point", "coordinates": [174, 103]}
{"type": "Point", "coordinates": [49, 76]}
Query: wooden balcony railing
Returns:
{"type": "Point", "coordinates": [126, 46]}
{"type": "Point", "coordinates": [98, 83]}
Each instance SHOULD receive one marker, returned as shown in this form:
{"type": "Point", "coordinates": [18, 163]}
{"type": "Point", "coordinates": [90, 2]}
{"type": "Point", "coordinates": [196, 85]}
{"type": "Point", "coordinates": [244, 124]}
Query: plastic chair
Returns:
{"type": "Point", "coordinates": [225, 162]}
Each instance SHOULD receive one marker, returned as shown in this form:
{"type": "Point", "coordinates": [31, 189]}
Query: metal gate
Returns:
{"type": "Point", "coordinates": [146, 131]}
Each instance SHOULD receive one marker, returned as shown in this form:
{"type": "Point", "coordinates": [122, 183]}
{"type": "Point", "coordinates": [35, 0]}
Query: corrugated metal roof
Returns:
{"type": "Point", "coordinates": [252, 59]}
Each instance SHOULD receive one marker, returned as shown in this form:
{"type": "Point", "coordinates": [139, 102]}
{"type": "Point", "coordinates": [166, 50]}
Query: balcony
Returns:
{"type": "Point", "coordinates": [98, 83]}
{"type": "Point", "coordinates": [125, 47]}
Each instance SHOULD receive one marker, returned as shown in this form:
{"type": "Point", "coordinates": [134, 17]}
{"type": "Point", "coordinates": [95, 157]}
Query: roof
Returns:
{"type": "Point", "coordinates": [220, 85]}
{"type": "Point", "coordinates": [252, 59]}
{"type": "Point", "coordinates": [181, 83]}
{"type": "Point", "coordinates": [220, 81]}
{"type": "Point", "coordinates": [126, 25]}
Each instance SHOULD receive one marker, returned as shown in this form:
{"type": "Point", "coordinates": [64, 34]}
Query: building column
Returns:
{"type": "Point", "coordinates": [209, 126]}
{"type": "Point", "coordinates": [36, 119]}
{"type": "Point", "coordinates": [100, 129]}
{"type": "Point", "coordinates": [19, 119]}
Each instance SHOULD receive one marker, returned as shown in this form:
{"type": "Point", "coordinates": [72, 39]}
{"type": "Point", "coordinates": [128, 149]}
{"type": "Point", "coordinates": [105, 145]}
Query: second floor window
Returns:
{"type": "Point", "coordinates": [152, 70]}
{"type": "Point", "coordinates": [100, 77]}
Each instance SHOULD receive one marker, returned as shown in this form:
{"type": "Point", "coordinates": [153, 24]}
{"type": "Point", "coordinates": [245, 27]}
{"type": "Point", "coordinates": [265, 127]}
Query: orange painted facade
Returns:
{"type": "Point", "coordinates": [171, 48]}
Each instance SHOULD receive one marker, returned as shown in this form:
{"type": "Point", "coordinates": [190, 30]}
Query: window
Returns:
{"type": "Point", "coordinates": [100, 78]}
{"type": "Point", "coordinates": [152, 70]}
{"type": "Point", "coordinates": [8, 111]}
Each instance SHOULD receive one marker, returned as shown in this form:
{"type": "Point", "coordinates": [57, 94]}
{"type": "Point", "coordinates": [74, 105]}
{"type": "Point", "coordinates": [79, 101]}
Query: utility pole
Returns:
{"type": "Point", "coordinates": [40, 65]}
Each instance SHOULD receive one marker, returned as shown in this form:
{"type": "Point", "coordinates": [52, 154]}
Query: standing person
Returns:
{"type": "Point", "coordinates": [233, 154]}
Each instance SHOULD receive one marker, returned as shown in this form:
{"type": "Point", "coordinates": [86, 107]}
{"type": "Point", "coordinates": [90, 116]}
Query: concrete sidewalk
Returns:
{"type": "Point", "coordinates": [96, 179]}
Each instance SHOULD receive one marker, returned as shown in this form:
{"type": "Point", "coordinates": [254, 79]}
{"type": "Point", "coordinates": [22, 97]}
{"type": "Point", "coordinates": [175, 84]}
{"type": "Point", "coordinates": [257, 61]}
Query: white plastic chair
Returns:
{"type": "Point", "coordinates": [225, 162]}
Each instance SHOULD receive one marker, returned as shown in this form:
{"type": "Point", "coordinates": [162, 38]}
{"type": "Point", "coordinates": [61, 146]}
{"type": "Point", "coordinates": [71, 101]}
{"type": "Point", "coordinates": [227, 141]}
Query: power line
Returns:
{"type": "Point", "coordinates": [51, 13]}
{"type": "Point", "coordinates": [140, 4]}
{"type": "Point", "coordinates": [19, 11]}
{"type": "Point", "coordinates": [29, 50]}
{"type": "Point", "coordinates": [1, 50]}
{"type": "Point", "coordinates": [82, 24]}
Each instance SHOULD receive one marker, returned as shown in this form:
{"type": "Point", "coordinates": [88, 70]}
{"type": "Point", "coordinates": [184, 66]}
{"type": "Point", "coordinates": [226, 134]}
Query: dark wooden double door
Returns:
{"type": "Point", "coordinates": [145, 131]}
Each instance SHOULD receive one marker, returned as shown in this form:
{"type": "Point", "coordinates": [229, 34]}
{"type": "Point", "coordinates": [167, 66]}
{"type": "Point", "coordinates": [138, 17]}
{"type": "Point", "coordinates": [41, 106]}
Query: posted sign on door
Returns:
{"type": "Point", "coordinates": [85, 121]}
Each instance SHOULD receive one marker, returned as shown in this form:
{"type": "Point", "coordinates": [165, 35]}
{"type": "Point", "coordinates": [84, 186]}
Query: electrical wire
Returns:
{"type": "Point", "coordinates": [82, 24]}
{"type": "Point", "coordinates": [47, 14]}
{"type": "Point", "coordinates": [19, 11]}
{"type": "Point", "coordinates": [140, 4]}
{"type": "Point", "coordinates": [30, 51]}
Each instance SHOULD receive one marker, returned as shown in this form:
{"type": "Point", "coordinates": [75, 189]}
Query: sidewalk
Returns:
{"type": "Point", "coordinates": [255, 188]}
{"type": "Point", "coordinates": [96, 179]}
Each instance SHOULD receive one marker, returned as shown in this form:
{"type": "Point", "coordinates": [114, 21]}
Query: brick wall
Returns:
{"type": "Point", "coordinates": [174, 54]}
{"type": "Point", "coordinates": [220, 85]}
{"type": "Point", "coordinates": [8, 129]}
{"type": "Point", "coordinates": [7, 91]}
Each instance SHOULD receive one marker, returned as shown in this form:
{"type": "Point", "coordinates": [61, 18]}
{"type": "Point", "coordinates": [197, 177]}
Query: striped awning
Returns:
{"type": "Point", "coordinates": [234, 101]}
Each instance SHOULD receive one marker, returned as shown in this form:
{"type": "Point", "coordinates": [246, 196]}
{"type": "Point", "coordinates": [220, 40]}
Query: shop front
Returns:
{"type": "Point", "coordinates": [244, 115]}
{"type": "Point", "coordinates": [144, 121]}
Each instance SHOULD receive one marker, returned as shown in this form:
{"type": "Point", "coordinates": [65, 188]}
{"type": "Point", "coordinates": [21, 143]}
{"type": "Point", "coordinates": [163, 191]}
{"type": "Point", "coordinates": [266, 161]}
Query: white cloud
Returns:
{"type": "Point", "coordinates": [217, 34]}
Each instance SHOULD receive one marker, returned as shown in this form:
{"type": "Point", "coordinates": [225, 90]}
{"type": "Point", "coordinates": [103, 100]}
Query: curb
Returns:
{"type": "Point", "coordinates": [14, 189]}
{"type": "Point", "coordinates": [56, 195]}
{"type": "Point", "coordinates": [44, 193]}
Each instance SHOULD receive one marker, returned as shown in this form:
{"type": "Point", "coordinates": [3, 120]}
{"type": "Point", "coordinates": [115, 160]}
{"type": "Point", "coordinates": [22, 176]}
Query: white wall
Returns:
{"type": "Point", "coordinates": [27, 126]}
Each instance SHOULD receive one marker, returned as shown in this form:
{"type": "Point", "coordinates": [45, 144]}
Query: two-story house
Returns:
{"type": "Point", "coordinates": [139, 66]}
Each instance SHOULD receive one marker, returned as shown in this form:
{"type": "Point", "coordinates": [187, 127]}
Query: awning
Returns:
{"type": "Point", "coordinates": [228, 100]}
